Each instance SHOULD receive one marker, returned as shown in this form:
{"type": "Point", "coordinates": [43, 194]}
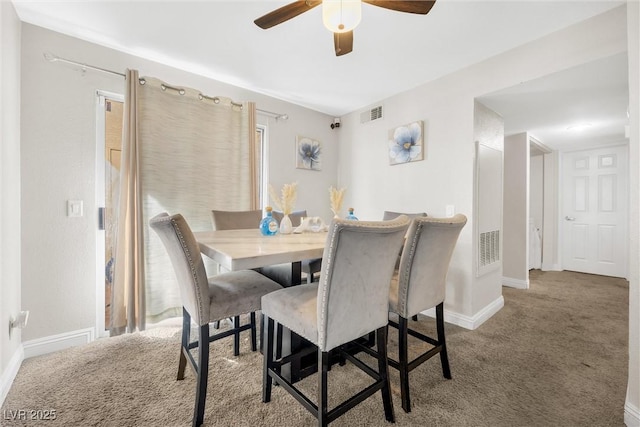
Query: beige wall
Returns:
{"type": "Point", "coordinates": [447, 107]}
{"type": "Point", "coordinates": [10, 349]}
{"type": "Point", "coordinates": [446, 174]}
{"type": "Point", "coordinates": [488, 133]}
{"type": "Point", "coordinates": [59, 164]}
{"type": "Point", "coordinates": [536, 185]}
{"type": "Point", "coordinates": [515, 262]}
{"type": "Point", "coordinates": [632, 407]}
{"type": "Point", "coordinates": [550, 256]}
{"type": "Point", "coordinates": [56, 141]}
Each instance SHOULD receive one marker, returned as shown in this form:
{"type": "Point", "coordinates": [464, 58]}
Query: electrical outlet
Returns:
{"type": "Point", "coordinates": [19, 322]}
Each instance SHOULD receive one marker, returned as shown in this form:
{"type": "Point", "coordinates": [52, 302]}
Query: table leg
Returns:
{"type": "Point", "coordinates": [296, 273]}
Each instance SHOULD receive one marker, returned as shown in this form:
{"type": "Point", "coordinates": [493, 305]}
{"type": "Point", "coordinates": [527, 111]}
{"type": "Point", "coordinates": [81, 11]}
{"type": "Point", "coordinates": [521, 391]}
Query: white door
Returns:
{"type": "Point", "coordinates": [594, 211]}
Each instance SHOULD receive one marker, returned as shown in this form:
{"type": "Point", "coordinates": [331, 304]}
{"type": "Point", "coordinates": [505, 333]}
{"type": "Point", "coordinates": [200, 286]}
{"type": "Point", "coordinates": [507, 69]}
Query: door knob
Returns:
{"type": "Point", "coordinates": [569, 218]}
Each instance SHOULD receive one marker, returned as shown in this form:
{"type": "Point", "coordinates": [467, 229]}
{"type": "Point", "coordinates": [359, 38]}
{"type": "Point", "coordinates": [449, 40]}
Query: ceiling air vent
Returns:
{"type": "Point", "coordinates": [373, 114]}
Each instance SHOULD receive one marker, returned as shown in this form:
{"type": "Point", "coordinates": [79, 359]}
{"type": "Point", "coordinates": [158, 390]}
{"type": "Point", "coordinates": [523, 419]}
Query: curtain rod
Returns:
{"type": "Point", "coordinates": [54, 58]}
{"type": "Point", "coordinates": [272, 114]}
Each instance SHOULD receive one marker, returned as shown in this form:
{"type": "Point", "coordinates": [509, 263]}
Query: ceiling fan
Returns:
{"type": "Point", "coordinates": [340, 16]}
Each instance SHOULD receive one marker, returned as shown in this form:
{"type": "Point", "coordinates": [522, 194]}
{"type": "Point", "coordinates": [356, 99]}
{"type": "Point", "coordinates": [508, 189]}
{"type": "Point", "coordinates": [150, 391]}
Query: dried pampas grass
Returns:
{"type": "Point", "coordinates": [286, 202]}
{"type": "Point", "coordinates": [336, 197]}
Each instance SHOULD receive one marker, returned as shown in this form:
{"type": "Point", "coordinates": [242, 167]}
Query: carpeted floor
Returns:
{"type": "Point", "coordinates": [555, 355]}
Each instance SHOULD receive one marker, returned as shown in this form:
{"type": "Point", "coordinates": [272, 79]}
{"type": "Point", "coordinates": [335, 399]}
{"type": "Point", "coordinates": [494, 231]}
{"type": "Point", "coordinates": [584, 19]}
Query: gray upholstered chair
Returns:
{"type": "Point", "coordinates": [350, 301]}
{"type": "Point", "coordinates": [282, 273]}
{"type": "Point", "coordinates": [387, 215]}
{"type": "Point", "coordinates": [295, 216]}
{"type": "Point", "coordinates": [420, 285]}
{"type": "Point", "coordinates": [236, 220]}
{"type": "Point", "coordinates": [206, 300]}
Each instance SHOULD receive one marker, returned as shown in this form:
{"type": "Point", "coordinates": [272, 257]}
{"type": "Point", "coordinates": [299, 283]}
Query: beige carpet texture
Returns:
{"type": "Point", "coordinates": [555, 355]}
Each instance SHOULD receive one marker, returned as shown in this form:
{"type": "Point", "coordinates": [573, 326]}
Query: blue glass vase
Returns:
{"type": "Point", "coordinates": [351, 216]}
{"type": "Point", "coordinates": [268, 225]}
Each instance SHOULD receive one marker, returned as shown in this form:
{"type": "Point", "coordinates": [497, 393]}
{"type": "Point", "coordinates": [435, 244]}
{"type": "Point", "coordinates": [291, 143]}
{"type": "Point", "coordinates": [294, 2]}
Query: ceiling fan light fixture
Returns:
{"type": "Point", "coordinates": [341, 16]}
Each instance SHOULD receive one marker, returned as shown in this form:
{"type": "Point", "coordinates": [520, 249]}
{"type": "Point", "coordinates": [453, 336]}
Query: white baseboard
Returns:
{"type": "Point", "coordinates": [631, 415]}
{"type": "Point", "coordinates": [515, 283]}
{"type": "Point", "coordinates": [58, 342]}
{"type": "Point", "coordinates": [469, 322]}
{"type": "Point", "coordinates": [9, 374]}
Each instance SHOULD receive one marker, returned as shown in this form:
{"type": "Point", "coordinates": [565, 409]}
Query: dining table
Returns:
{"type": "Point", "coordinates": [248, 249]}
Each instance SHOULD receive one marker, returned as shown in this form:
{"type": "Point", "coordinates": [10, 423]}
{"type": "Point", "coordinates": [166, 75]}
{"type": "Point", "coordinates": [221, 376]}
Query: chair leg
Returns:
{"type": "Point", "coordinates": [279, 334]}
{"type": "Point", "coordinates": [267, 381]}
{"type": "Point", "coordinates": [254, 340]}
{"type": "Point", "coordinates": [323, 400]}
{"type": "Point", "coordinates": [444, 359]}
{"type": "Point", "coordinates": [203, 375]}
{"type": "Point", "coordinates": [262, 326]}
{"type": "Point", "coordinates": [383, 369]}
{"type": "Point", "coordinates": [236, 336]}
{"type": "Point", "coordinates": [186, 333]}
{"type": "Point", "coordinates": [403, 362]}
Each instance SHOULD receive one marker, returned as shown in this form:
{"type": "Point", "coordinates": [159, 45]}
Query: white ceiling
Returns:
{"type": "Point", "coordinates": [585, 106]}
{"type": "Point", "coordinates": [294, 61]}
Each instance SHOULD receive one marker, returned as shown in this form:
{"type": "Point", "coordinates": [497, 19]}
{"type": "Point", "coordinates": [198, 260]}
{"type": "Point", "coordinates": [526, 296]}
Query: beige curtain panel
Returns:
{"type": "Point", "coordinates": [182, 153]}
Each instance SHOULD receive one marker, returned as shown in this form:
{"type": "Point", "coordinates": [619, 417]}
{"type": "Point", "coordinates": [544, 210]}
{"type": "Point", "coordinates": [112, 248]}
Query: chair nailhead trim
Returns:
{"type": "Point", "coordinates": [194, 273]}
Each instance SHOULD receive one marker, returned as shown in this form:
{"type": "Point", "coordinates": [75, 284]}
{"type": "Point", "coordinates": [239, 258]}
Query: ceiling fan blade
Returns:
{"type": "Point", "coordinates": [285, 13]}
{"type": "Point", "coordinates": [410, 6]}
{"type": "Point", "coordinates": [343, 42]}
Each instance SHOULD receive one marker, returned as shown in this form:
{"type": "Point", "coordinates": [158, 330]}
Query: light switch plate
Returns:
{"type": "Point", "coordinates": [450, 210]}
{"type": "Point", "coordinates": [74, 208]}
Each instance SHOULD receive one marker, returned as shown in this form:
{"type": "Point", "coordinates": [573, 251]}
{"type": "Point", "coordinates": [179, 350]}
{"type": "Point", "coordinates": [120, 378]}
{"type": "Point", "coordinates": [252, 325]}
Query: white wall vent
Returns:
{"type": "Point", "coordinates": [489, 250]}
{"type": "Point", "coordinates": [374, 113]}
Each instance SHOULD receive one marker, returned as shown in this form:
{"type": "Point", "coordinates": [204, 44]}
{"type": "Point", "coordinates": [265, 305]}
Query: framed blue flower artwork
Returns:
{"type": "Point", "coordinates": [406, 143]}
{"type": "Point", "coordinates": [308, 153]}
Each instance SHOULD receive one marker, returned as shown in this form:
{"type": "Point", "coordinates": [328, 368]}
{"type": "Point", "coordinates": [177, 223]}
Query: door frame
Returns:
{"type": "Point", "coordinates": [101, 97]}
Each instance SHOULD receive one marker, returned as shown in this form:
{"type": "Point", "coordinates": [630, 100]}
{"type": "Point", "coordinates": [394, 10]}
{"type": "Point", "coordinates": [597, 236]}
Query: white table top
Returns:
{"type": "Point", "coordinates": [245, 249]}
